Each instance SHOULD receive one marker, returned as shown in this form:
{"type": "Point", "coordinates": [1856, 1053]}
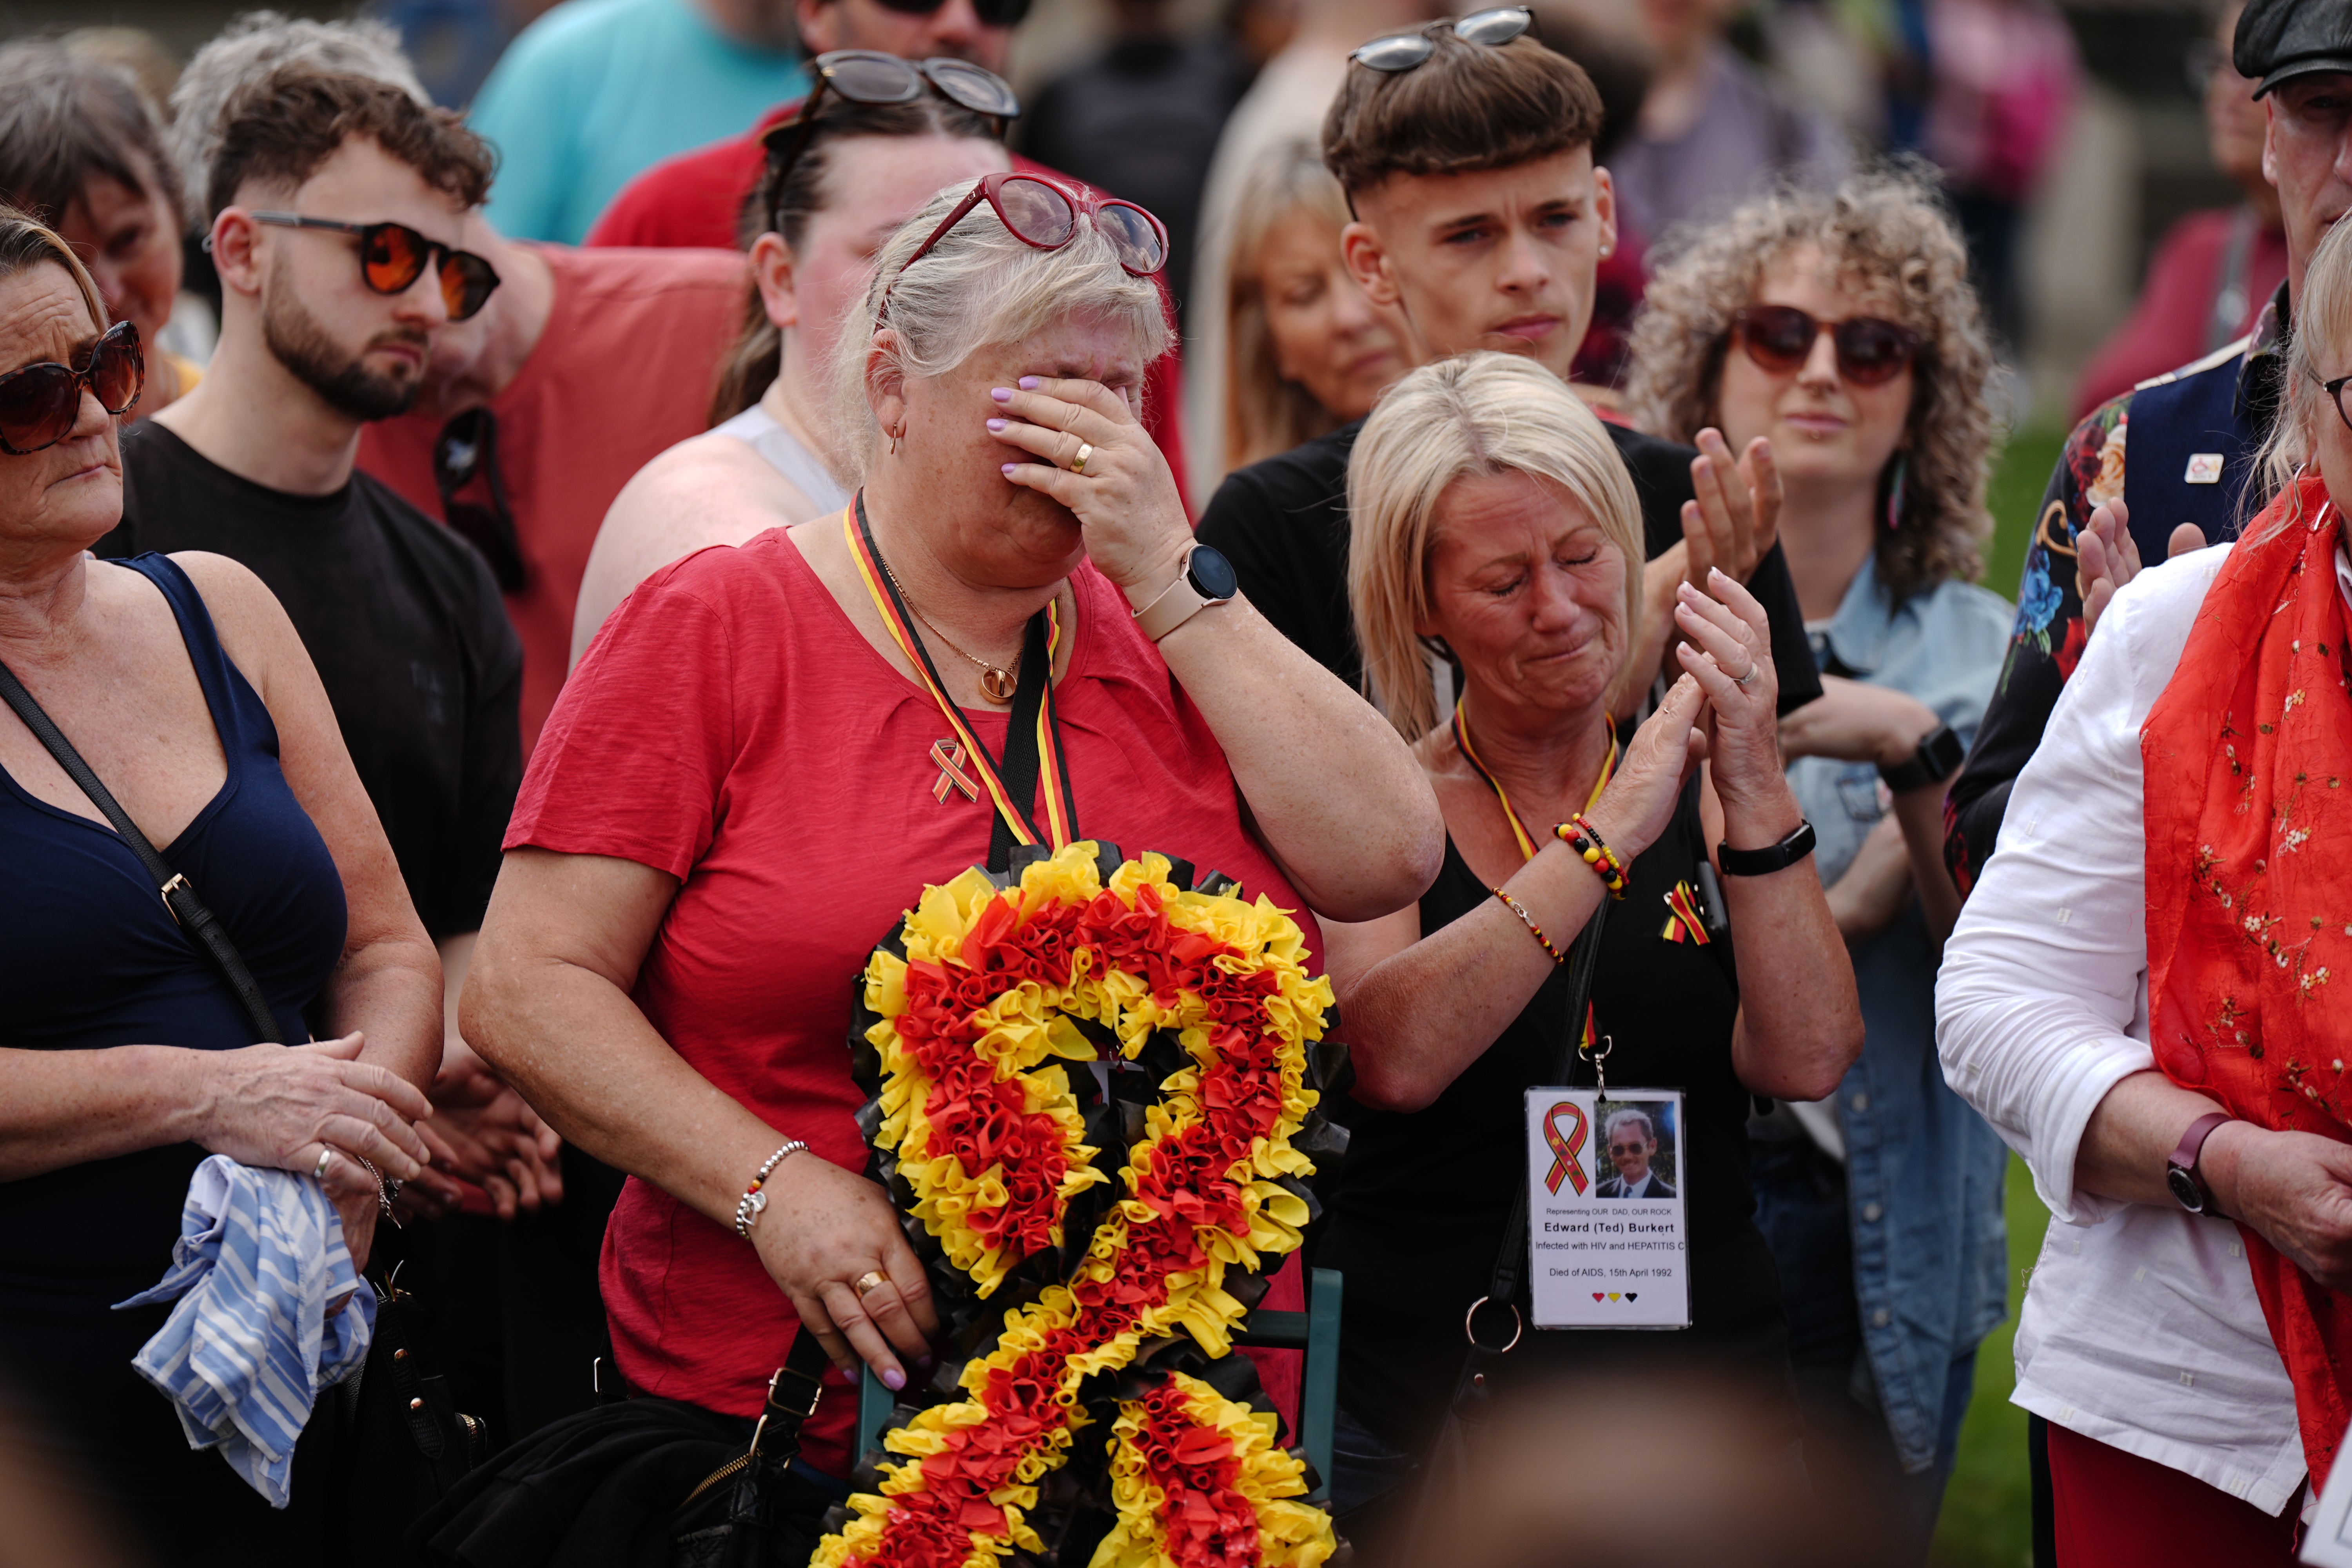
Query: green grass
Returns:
{"type": "Point", "coordinates": [1989, 1509]}
{"type": "Point", "coordinates": [2013, 497]}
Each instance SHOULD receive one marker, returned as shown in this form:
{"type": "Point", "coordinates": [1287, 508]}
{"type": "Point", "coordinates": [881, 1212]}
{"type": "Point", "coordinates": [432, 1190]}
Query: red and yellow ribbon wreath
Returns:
{"type": "Point", "coordinates": [1005, 1021]}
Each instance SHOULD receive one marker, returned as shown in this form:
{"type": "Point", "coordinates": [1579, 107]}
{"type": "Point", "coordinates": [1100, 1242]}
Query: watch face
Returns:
{"type": "Point", "coordinates": [2184, 1188]}
{"type": "Point", "coordinates": [1211, 573]}
{"type": "Point", "coordinates": [1943, 753]}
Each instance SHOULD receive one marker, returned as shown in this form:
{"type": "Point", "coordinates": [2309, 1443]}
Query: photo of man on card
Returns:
{"type": "Point", "coordinates": [1631, 1135]}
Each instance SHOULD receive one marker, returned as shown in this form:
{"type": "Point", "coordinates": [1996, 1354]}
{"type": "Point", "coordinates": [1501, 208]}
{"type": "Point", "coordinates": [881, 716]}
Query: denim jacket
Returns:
{"type": "Point", "coordinates": [1924, 1173]}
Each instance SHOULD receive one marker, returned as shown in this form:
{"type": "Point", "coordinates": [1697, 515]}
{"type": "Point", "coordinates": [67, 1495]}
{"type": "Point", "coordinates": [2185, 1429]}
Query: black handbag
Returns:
{"type": "Point", "coordinates": [1445, 1469]}
{"type": "Point", "coordinates": [752, 1511]}
{"type": "Point", "coordinates": [400, 1444]}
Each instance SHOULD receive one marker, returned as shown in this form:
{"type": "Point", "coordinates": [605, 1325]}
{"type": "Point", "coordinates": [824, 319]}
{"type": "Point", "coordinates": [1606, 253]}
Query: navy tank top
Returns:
{"type": "Point", "coordinates": [89, 959]}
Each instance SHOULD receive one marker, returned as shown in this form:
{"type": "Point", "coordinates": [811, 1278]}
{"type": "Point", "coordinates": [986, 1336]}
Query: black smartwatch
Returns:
{"type": "Point", "coordinates": [1940, 756]}
{"type": "Point", "coordinates": [1764, 862]}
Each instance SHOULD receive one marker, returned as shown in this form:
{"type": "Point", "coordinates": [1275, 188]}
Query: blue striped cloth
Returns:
{"type": "Point", "coordinates": [262, 1275]}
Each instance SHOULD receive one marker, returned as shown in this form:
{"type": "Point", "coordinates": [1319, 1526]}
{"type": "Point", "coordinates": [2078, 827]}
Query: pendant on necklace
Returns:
{"type": "Point", "coordinates": [998, 685]}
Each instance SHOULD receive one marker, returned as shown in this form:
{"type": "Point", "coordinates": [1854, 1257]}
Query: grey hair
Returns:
{"type": "Point", "coordinates": [1479, 414]}
{"type": "Point", "coordinates": [980, 284]}
{"type": "Point", "coordinates": [247, 51]}
{"type": "Point", "coordinates": [2323, 327]}
{"type": "Point", "coordinates": [1618, 1118]}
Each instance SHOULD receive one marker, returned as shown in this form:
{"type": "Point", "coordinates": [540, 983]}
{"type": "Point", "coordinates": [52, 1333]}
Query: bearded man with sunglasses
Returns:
{"type": "Point", "coordinates": [338, 207]}
{"type": "Point", "coordinates": [1465, 150]}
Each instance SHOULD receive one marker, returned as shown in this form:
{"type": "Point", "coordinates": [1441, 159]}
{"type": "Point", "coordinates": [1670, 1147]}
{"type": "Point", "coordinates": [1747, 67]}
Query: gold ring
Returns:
{"type": "Point", "coordinates": [319, 1172]}
{"type": "Point", "coordinates": [1078, 464]}
{"type": "Point", "coordinates": [873, 1279]}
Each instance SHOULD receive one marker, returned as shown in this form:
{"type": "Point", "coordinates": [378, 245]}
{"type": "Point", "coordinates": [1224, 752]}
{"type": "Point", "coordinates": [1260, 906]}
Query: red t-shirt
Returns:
{"type": "Point", "coordinates": [2169, 327]}
{"type": "Point", "coordinates": [695, 198]}
{"type": "Point", "coordinates": [622, 372]}
{"type": "Point", "coordinates": [732, 728]}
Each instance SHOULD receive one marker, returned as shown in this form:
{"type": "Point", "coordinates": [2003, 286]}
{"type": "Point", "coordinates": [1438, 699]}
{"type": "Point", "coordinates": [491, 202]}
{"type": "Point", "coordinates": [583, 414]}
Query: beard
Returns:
{"type": "Point", "coordinates": [341, 380]}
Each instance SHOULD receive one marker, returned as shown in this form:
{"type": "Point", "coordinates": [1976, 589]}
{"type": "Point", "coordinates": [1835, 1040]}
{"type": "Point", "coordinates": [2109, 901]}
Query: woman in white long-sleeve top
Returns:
{"type": "Point", "coordinates": [2169, 797]}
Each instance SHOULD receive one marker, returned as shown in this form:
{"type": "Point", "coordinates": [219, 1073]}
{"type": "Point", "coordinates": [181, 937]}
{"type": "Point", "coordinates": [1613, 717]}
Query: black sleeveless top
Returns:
{"type": "Point", "coordinates": [89, 959]}
{"type": "Point", "coordinates": [1424, 1195]}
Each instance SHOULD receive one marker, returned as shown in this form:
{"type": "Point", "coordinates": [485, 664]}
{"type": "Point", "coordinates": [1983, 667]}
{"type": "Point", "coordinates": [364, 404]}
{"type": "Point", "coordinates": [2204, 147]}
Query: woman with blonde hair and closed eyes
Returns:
{"type": "Point", "coordinates": [1494, 523]}
{"type": "Point", "coordinates": [1308, 352]}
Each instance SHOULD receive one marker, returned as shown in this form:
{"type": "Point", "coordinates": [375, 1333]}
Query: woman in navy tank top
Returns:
{"type": "Point", "coordinates": [124, 1058]}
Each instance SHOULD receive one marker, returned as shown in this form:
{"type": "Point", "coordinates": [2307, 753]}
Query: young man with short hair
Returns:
{"type": "Point", "coordinates": [1481, 217]}
{"type": "Point", "coordinates": [338, 207]}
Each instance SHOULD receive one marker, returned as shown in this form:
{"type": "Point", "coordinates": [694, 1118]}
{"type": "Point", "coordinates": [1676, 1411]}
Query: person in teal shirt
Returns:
{"type": "Point", "coordinates": [597, 90]}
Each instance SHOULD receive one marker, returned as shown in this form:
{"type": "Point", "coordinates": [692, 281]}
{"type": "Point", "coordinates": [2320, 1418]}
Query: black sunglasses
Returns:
{"type": "Point", "coordinates": [991, 13]}
{"type": "Point", "coordinates": [866, 76]}
{"type": "Point", "coordinates": [1779, 338]}
{"type": "Point", "coordinates": [1404, 51]}
{"type": "Point", "coordinates": [393, 257]}
{"type": "Point", "coordinates": [41, 404]}
{"type": "Point", "coordinates": [466, 459]}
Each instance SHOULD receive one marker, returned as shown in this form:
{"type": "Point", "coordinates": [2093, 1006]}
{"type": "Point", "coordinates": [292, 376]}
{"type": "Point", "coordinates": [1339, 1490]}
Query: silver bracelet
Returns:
{"type": "Point", "coordinates": [754, 1201]}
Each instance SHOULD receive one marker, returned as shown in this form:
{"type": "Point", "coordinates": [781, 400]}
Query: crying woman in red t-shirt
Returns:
{"type": "Point", "coordinates": [769, 750]}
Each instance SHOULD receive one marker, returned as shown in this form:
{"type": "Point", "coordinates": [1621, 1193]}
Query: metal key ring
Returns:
{"type": "Point", "coordinates": [1470, 1330]}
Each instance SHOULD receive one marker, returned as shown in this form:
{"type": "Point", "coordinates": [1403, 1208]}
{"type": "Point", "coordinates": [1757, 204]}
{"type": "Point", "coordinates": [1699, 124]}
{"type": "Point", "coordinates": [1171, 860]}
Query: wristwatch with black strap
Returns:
{"type": "Point", "coordinates": [1940, 756]}
{"type": "Point", "coordinates": [1773, 857]}
{"type": "Point", "coordinates": [1205, 577]}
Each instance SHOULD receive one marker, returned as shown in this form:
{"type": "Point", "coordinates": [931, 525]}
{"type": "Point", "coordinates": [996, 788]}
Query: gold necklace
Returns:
{"type": "Point", "coordinates": [996, 683]}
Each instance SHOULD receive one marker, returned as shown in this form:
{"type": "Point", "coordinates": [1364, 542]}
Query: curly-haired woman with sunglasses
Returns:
{"type": "Point", "coordinates": [126, 1056]}
{"type": "Point", "coordinates": [1843, 327]}
{"type": "Point", "coordinates": [769, 750]}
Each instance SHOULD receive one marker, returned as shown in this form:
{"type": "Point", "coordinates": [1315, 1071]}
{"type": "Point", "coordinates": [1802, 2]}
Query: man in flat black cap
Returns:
{"type": "Point", "coordinates": [2193, 432]}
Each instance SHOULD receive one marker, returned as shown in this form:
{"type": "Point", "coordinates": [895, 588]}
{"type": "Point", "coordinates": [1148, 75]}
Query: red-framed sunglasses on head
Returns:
{"type": "Point", "coordinates": [1044, 214]}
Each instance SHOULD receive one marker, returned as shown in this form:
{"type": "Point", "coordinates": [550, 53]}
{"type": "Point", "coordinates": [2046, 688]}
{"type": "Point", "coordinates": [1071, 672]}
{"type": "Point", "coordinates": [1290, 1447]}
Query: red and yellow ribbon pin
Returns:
{"type": "Point", "coordinates": [1565, 1148]}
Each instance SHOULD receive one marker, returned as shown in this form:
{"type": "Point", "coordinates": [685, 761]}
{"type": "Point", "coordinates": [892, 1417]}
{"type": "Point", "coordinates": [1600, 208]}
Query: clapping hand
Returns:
{"type": "Point", "coordinates": [2108, 557]}
{"type": "Point", "coordinates": [1728, 649]}
{"type": "Point", "coordinates": [1735, 515]}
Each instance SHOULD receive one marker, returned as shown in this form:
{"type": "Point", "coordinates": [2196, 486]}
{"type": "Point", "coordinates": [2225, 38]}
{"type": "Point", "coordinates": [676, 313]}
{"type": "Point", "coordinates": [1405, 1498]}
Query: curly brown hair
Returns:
{"type": "Point", "coordinates": [1884, 231]}
{"type": "Point", "coordinates": [282, 129]}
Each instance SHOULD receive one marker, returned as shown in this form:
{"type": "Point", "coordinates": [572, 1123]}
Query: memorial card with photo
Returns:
{"type": "Point", "coordinates": [1606, 1221]}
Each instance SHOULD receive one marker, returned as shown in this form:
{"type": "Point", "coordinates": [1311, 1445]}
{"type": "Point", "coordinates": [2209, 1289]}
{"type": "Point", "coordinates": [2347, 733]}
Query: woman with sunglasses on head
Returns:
{"type": "Point", "coordinates": [768, 751]}
{"type": "Point", "coordinates": [126, 1056]}
{"type": "Point", "coordinates": [1844, 328]}
{"type": "Point", "coordinates": [877, 140]}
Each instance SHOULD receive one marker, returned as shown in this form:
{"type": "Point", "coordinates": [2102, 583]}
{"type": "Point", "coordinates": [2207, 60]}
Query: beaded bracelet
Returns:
{"type": "Point", "coordinates": [1520, 909]}
{"type": "Point", "coordinates": [754, 1202]}
{"type": "Point", "coordinates": [1581, 836]}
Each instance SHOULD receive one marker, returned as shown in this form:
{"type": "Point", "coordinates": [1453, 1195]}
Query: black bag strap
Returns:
{"type": "Point", "coordinates": [195, 922]}
{"type": "Point", "coordinates": [1511, 1260]}
{"type": "Point", "coordinates": [1446, 1466]}
{"type": "Point", "coordinates": [1021, 761]}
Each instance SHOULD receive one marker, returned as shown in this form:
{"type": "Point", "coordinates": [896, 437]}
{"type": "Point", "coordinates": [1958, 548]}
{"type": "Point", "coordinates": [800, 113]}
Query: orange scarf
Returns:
{"type": "Point", "coordinates": [2249, 812]}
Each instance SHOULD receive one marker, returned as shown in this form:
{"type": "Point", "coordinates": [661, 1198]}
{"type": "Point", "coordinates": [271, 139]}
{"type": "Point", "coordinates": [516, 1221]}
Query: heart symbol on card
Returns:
{"type": "Point", "coordinates": [1613, 1295]}
{"type": "Point", "coordinates": [1632, 1295]}
{"type": "Point", "coordinates": [1596, 1295]}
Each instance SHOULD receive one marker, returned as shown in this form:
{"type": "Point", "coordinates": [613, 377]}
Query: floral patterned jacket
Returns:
{"type": "Point", "coordinates": [2047, 641]}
